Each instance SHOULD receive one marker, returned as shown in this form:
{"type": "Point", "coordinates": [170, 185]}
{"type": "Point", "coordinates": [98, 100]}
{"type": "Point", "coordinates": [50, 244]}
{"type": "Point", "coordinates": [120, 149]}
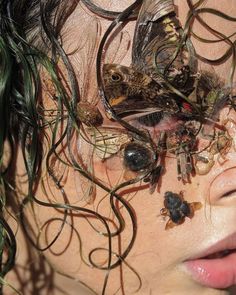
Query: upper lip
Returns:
{"type": "Point", "coordinates": [228, 243]}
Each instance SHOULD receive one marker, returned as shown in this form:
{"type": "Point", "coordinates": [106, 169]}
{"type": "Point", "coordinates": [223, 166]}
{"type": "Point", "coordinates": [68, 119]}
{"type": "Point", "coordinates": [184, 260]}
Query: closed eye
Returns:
{"type": "Point", "coordinates": [229, 193]}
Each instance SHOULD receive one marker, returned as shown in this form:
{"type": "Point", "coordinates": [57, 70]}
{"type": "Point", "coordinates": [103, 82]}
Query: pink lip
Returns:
{"type": "Point", "coordinates": [215, 272]}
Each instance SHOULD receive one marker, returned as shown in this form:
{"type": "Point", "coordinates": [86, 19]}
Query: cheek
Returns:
{"type": "Point", "coordinates": [80, 232]}
{"type": "Point", "coordinates": [110, 171]}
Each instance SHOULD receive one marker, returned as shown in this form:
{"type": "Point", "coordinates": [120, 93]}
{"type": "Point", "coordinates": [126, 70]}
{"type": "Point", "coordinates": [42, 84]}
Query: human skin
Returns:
{"type": "Point", "coordinates": [157, 254]}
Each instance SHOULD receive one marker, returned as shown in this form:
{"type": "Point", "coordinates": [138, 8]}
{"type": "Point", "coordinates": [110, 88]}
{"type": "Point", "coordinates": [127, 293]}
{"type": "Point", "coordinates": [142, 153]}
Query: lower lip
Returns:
{"type": "Point", "coordinates": [217, 273]}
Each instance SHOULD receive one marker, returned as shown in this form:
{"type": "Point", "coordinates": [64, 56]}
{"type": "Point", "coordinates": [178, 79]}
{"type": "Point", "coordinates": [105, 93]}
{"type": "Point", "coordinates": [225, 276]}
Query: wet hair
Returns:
{"type": "Point", "coordinates": [30, 41]}
{"type": "Point", "coordinates": [32, 59]}
{"type": "Point", "coordinates": [31, 45]}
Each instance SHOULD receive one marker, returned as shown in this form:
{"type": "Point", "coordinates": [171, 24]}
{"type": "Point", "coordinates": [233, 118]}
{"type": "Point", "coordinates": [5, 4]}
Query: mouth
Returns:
{"type": "Point", "coordinates": [220, 254]}
{"type": "Point", "coordinates": [217, 267]}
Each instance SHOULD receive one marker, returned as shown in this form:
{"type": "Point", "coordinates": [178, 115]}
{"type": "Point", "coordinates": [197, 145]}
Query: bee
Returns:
{"type": "Point", "coordinates": [177, 209]}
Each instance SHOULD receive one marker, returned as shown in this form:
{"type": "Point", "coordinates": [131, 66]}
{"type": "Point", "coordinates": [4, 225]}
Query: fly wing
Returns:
{"type": "Point", "coordinates": [82, 51]}
{"type": "Point", "coordinates": [154, 178]}
{"type": "Point", "coordinates": [196, 206]}
{"type": "Point", "coordinates": [108, 141]}
{"type": "Point", "coordinates": [170, 224]}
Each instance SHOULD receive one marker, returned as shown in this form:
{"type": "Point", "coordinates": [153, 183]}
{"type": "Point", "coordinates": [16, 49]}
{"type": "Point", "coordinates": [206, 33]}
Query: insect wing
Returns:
{"type": "Point", "coordinates": [85, 189]}
{"type": "Point", "coordinates": [195, 206]}
{"type": "Point", "coordinates": [170, 224]}
{"type": "Point", "coordinates": [155, 175]}
{"type": "Point", "coordinates": [153, 54]}
{"type": "Point", "coordinates": [147, 23]}
{"type": "Point", "coordinates": [108, 141]}
{"type": "Point", "coordinates": [119, 49]}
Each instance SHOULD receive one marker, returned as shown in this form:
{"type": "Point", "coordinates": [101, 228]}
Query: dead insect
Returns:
{"type": "Point", "coordinates": [108, 142]}
{"type": "Point", "coordinates": [182, 143]}
{"type": "Point", "coordinates": [142, 160]}
{"type": "Point", "coordinates": [177, 209]}
{"type": "Point", "coordinates": [212, 94]}
{"type": "Point", "coordinates": [156, 54]}
{"type": "Point", "coordinates": [132, 94]}
{"type": "Point", "coordinates": [139, 159]}
{"type": "Point", "coordinates": [86, 57]}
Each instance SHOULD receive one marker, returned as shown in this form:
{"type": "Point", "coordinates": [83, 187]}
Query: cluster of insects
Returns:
{"type": "Point", "coordinates": [165, 95]}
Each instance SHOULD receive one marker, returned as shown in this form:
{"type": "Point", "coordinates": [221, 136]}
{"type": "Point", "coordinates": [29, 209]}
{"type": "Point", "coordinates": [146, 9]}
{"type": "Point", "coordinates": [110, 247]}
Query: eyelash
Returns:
{"type": "Point", "coordinates": [229, 193]}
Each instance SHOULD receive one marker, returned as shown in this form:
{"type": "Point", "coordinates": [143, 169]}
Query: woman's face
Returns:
{"type": "Point", "coordinates": [159, 256]}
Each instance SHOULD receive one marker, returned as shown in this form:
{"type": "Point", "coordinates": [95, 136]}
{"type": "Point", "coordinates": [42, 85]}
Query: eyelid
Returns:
{"type": "Point", "coordinates": [230, 193]}
{"type": "Point", "coordinates": [223, 185]}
